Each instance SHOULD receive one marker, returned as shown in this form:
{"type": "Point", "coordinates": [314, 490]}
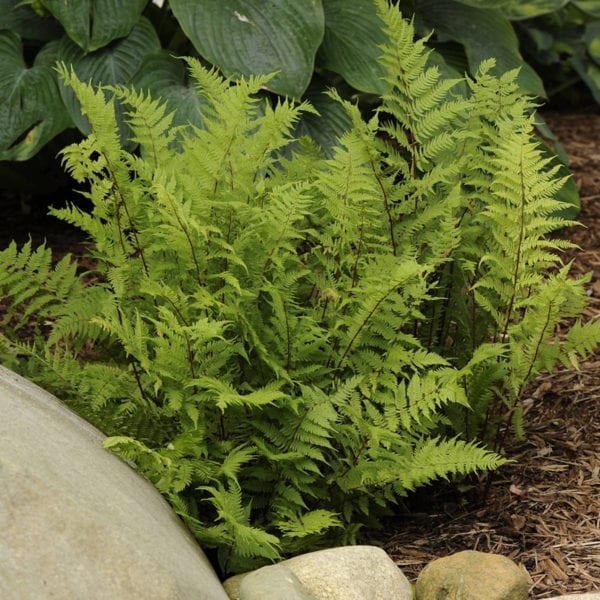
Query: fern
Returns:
{"type": "Point", "coordinates": [287, 344]}
{"type": "Point", "coordinates": [33, 285]}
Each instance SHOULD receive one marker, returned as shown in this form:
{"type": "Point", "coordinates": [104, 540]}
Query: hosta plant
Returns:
{"type": "Point", "coordinates": [306, 45]}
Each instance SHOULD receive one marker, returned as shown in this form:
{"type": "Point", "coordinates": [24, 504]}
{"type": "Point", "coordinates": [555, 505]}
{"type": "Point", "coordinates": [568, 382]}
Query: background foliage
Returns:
{"type": "Point", "coordinates": [309, 45]}
{"type": "Point", "coordinates": [122, 42]}
{"type": "Point", "coordinates": [555, 42]}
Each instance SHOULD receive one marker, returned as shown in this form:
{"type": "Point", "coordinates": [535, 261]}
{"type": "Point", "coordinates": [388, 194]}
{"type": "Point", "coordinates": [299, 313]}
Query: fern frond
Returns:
{"type": "Point", "coordinates": [149, 122]}
{"type": "Point", "coordinates": [438, 458]}
{"type": "Point", "coordinates": [35, 287]}
{"type": "Point", "coordinates": [223, 394]}
{"type": "Point", "coordinates": [582, 340]}
{"type": "Point", "coordinates": [308, 524]}
{"type": "Point", "coordinates": [246, 540]}
{"type": "Point", "coordinates": [101, 116]}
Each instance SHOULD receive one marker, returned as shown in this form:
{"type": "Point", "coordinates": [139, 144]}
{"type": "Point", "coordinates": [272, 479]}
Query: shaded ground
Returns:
{"type": "Point", "coordinates": [543, 511]}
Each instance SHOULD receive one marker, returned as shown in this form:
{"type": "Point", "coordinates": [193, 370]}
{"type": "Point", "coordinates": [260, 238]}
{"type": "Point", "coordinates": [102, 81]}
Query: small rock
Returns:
{"type": "Point", "coordinates": [273, 583]}
{"type": "Point", "coordinates": [471, 575]}
{"type": "Point", "coordinates": [347, 573]}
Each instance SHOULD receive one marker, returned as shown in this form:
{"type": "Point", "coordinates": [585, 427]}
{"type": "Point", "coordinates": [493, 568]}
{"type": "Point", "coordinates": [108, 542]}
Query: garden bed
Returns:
{"type": "Point", "coordinates": [543, 510]}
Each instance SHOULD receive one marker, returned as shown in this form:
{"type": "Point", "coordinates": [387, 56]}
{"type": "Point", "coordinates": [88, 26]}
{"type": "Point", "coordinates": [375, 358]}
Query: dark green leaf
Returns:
{"type": "Point", "coordinates": [485, 3]}
{"type": "Point", "coordinates": [92, 24]}
{"type": "Point", "coordinates": [256, 37]}
{"type": "Point", "coordinates": [165, 77]}
{"type": "Point", "coordinates": [569, 195]}
{"type": "Point", "coordinates": [26, 22]}
{"type": "Point", "coordinates": [590, 7]}
{"type": "Point", "coordinates": [451, 65]}
{"type": "Point", "coordinates": [351, 46]}
{"type": "Point", "coordinates": [326, 127]}
{"type": "Point", "coordinates": [533, 8]}
{"type": "Point", "coordinates": [485, 33]}
{"type": "Point", "coordinates": [31, 109]}
{"type": "Point", "coordinates": [542, 39]}
{"type": "Point", "coordinates": [589, 71]}
{"type": "Point", "coordinates": [592, 40]}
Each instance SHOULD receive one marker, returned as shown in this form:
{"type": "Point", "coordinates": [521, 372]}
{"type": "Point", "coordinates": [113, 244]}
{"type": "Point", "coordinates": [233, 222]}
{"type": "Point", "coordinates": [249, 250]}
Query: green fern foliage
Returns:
{"type": "Point", "coordinates": [286, 344]}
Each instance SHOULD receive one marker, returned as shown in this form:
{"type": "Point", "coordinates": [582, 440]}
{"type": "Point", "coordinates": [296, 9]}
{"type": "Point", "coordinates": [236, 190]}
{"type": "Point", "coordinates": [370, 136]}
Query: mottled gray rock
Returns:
{"type": "Point", "coordinates": [273, 583]}
{"type": "Point", "coordinates": [348, 573]}
{"type": "Point", "coordinates": [471, 575]}
{"type": "Point", "coordinates": [77, 522]}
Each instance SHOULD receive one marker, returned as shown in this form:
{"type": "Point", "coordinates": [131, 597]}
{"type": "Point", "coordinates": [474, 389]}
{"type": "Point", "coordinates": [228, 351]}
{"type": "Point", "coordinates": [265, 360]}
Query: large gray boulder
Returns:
{"type": "Point", "coordinates": [77, 522]}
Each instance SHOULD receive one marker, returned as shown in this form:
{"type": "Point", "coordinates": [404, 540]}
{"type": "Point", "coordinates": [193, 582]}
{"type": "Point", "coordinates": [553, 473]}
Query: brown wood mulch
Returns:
{"type": "Point", "coordinates": [542, 510]}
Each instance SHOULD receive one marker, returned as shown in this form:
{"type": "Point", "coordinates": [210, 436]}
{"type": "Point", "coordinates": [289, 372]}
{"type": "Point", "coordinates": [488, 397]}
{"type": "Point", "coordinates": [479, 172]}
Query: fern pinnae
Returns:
{"type": "Point", "coordinates": [282, 316]}
{"type": "Point", "coordinates": [165, 193]}
{"type": "Point", "coordinates": [518, 251]}
{"type": "Point", "coordinates": [149, 122]}
{"type": "Point", "coordinates": [102, 119]}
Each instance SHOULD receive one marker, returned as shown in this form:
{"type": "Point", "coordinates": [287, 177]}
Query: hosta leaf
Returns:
{"type": "Point", "coordinates": [485, 33]}
{"type": "Point", "coordinates": [589, 71]}
{"type": "Point", "coordinates": [485, 3]}
{"type": "Point", "coordinates": [165, 77]}
{"type": "Point", "coordinates": [592, 40]}
{"type": "Point", "coordinates": [452, 64]}
{"type": "Point", "coordinates": [351, 46]}
{"type": "Point", "coordinates": [31, 109]}
{"type": "Point", "coordinates": [533, 8]}
{"type": "Point", "coordinates": [251, 37]}
{"type": "Point", "coordinates": [92, 24]}
{"type": "Point", "coordinates": [568, 194]}
{"type": "Point", "coordinates": [326, 127]}
{"type": "Point", "coordinates": [590, 7]}
{"type": "Point", "coordinates": [115, 64]}
{"type": "Point", "coordinates": [23, 20]}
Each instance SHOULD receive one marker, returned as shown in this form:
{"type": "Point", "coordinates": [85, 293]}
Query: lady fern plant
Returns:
{"type": "Point", "coordinates": [285, 344]}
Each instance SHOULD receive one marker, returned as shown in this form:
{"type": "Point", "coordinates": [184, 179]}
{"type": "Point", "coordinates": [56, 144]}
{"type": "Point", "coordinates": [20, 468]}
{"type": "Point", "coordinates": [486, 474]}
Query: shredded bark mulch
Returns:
{"type": "Point", "coordinates": [542, 510]}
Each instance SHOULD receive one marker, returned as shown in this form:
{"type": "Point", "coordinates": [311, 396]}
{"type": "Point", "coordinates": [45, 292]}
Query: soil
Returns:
{"type": "Point", "coordinates": [543, 509]}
